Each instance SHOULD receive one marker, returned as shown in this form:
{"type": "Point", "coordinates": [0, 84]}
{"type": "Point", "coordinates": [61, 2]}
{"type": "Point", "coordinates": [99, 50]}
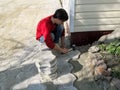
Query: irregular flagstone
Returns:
{"type": "Point", "coordinates": [63, 65]}
{"type": "Point", "coordinates": [67, 88]}
{"type": "Point", "coordinates": [65, 79]}
{"type": "Point", "coordinates": [74, 55]}
{"type": "Point", "coordinates": [2, 76]}
{"type": "Point", "coordinates": [36, 87]}
{"type": "Point", "coordinates": [35, 84]}
{"type": "Point", "coordinates": [19, 51]}
{"type": "Point", "coordinates": [4, 67]}
{"type": "Point", "coordinates": [29, 84]}
{"type": "Point", "coordinates": [21, 85]}
{"type": "Point", "coordinates": [116, 82]}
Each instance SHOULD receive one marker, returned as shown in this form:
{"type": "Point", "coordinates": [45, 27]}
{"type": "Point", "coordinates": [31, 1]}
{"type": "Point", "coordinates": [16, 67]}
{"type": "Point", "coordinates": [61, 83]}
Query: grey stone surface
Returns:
{"type": "Point", "coordinates": [19, 51]}
{"type": "Point", "coordinates": [18, 48]}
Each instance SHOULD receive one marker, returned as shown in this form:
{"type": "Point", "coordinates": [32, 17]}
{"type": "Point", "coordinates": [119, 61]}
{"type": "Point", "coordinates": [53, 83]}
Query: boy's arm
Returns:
{"type": "Point", "coordinates": [62, 50]}
{"type": "Point", "coordinates": [54, 46]}
{"type": "Point", "coordinates": [63, 41]}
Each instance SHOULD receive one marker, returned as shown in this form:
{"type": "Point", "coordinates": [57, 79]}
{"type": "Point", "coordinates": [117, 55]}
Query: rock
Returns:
{"type": "Point", "coordinates": [91, 55]}
{"type": "Point", "coordinates": [101, 63]}
{"type": "Point", "coordinates": [77, 54]}
{"type": "Point", "coordinates": [108, 78]}
{"type": "Point", "coordinates": [103, 38]}
{"type": "Point", "coordinates": [65, 80]}
{"type": "Point", "coordinates": [112, 88]}
{"type": "Point", "coordinates": [100, 70]}
{"type": "Point", "coordinates": [35, 87]}
{"type": "Point", "coordinates": [98, 56]}
{"type": "Point", "coordinates": [95, 43]}
{"type": "Point", "coordinates": [74, 55]}
{"type": "Point", "coordinates": [93, 49]}
{"type": "Point", "coordinates": [110, 37]}
{"type": "Point", "coordinates": [93, 62]}
{"type": "Point", "coordinates": [116, 82]}
{"type": "Point", "coordinates": [109, 69]}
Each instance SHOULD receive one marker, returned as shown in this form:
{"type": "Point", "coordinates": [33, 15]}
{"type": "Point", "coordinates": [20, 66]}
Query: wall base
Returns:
{"type": "Point", "coordinates": [84, 38]}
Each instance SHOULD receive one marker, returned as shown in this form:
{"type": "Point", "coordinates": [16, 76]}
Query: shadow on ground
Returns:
{"type": "Point", "coordinates": [13, 76]}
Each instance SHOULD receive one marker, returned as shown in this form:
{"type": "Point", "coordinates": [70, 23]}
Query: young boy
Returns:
{"type": "Point", "coordinates": [50, 29]}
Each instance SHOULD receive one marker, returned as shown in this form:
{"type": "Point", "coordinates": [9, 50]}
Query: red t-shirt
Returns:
{"type": "Point", "coordinates": [44, 28]}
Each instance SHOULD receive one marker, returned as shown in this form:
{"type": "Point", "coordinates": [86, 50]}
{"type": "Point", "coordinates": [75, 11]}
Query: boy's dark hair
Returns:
{"type": "Point", "coordinates": [61, 14]}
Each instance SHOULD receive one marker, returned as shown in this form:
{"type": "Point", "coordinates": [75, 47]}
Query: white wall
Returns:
{"type": "Point", "coordinates": [92, 15]}
{"type": "Point", "coordinates": [68, 5]}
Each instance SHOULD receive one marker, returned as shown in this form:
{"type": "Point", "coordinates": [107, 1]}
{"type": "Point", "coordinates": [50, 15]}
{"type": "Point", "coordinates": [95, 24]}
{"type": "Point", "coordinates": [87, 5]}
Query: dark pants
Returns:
{"type": "Point", "coordinates": [56, 34]}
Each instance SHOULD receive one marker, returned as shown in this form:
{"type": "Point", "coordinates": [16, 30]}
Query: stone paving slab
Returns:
{"type": "Point", "coordinates": [18, 48]}
{"type": "Point", "coordinates": [23, 75]}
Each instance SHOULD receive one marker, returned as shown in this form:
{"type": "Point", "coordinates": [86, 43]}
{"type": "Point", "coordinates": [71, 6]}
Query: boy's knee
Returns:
{"type": "Point", "coordinates": [53, 36]}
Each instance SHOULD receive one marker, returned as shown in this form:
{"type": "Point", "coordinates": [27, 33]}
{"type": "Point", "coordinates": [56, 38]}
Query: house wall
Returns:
{"type": "Point", "coordinates": [90, 19]}
{"type": "Point", "coordinates": [96, 15]}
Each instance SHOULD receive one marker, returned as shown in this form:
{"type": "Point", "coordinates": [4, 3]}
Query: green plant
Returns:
{"type": "Point", "coordinates": [112, 48]}
{"type": "Point", "coordinates": [117, 52]}
{"type": "Point", "coordinates": [112, 55]}
{"type": "Point", "coordinates": [102, 47]}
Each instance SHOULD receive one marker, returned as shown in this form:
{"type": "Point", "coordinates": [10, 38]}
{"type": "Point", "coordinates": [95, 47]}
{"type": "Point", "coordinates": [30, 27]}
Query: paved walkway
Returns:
{"type": "Point", "coordinates": [19, 50]}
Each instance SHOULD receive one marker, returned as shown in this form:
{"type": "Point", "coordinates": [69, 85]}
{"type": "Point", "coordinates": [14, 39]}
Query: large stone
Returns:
{"type": "Point", "coordinates": [116, 82]}
{"type": "Point", "coordinates": [36, 85]}
{"type": "Point", "coordinates": [110, 37]}
{"type": "Point", "coordinates": [100, 70]}
{"type": "Point", "coordinates": [101, 63]}
{"type": "Point", "coordinates": [93, 49]}
{"type": "Point", "coordinates": [65, 80]}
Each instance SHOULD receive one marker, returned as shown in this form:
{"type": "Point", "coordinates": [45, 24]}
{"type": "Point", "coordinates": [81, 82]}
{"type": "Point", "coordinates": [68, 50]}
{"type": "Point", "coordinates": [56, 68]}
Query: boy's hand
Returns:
{"type": "Point", "coordinates": [64, 50]}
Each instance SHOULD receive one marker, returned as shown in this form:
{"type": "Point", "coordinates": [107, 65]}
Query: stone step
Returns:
{"type": "Point", "coordinates": [48, 70]}
{"type": "Point", "coordinates": [47, 64]}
